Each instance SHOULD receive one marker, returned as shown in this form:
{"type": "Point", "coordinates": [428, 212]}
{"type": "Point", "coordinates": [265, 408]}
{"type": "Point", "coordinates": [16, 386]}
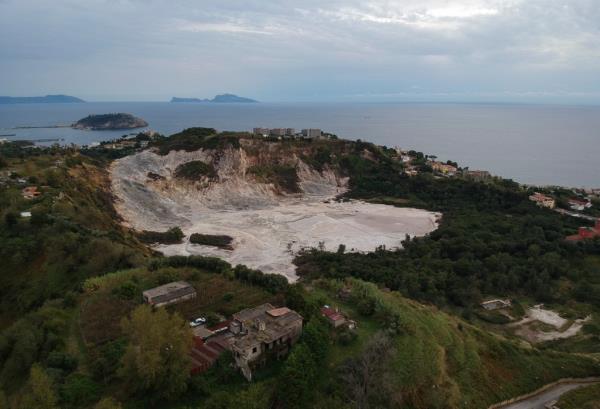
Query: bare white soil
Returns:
{"type": "Point", "coordinates": [549, 317]}
{"type": "Point", "coordinates": [268, 228]}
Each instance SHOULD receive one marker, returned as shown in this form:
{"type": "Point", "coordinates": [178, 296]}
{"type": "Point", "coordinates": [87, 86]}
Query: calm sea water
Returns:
{"type": "Point", "coordinates": [530, 144]}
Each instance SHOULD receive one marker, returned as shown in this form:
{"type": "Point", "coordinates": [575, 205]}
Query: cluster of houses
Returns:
{"type": "Point", "coordinates": [253, 335]}
{"type": "Point", "coordinates": [543, 200]}
{"type": "Point", "coordinates": [311, 133]}
{"type": "Point", "coordinates": [443, 168]}
{"type": "Point", "coordinates": [577, 204]}
{"type": "Point", "coordinates": [140, 140]}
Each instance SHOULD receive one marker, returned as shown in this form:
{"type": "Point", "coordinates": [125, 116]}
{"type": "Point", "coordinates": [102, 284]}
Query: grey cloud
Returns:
{"type": "Point", "coordinates": [285, 50]}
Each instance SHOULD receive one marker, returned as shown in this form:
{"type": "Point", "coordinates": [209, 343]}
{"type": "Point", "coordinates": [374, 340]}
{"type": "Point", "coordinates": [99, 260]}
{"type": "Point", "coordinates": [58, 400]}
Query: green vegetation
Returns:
{"type": "Point", "coordinates": [587, 397]}
{"type": "Point", "coordinates": [172, 236]}
{"type": "Point", "coordinates": [491, 241]}
{"type": "Point", "coordinates": [193, 139]}
{"type": "Point", "coordinates": [110, 121]}
{"type": "Point", "coordinates": [156, 360]}
{"type": "Point", "coordinates": [74, 232]}
{"type": "Point", "coordinates": [74, 332]}
{"type": "Point", "coordinates": [221, 241]}
{"type": "Point", "coordinates": [283, 177]}
{"type": "Point", "coordinates": [195, 170]}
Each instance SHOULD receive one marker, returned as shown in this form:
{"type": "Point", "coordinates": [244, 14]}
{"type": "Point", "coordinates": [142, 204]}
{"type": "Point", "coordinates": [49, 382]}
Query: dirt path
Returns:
{"type": "Point", "coordinates": [525, 329]}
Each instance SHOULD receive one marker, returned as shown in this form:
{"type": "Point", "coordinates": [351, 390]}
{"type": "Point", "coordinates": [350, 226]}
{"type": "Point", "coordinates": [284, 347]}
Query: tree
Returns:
{"type": "Point", "coordinates": [366, 378]}
{"type": "Point", "coordinates": [79, 390]}
{"type": "Point", "coordinates": [10, 219]}
{"type": "Point", "coordinates": [156, 359]}
{"type": "Point", "coordinates": [108, 403]}
{"type": "Point", "coordinates": [316, 337]}
{"type": "Point", "coordinates": [41, 391]}
{"type": "Point", "coordinates": [298, 378]}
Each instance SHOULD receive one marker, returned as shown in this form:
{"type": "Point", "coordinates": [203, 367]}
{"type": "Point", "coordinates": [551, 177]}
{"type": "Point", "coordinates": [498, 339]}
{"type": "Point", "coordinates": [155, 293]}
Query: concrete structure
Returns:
{"type": "Point", "coordinates": [444, 168]}
{"type": "Point", "coordinates": [336, 318]}
{"type": "Point", "coordinates": [333, 316]}
{"type": "Point", "coordinates": [478, 175]}
{"type": "Point", "coordinates": [169, 293]}
{"type": "Point", "coordinates": [261, 131]}
{"type": "Point", "coordinates": [277, 132]}
{"type": "Point", "coordinates": [497, 304]}
{"type": "Point", "coordinates": [262, 331]}
{"type": "Point", "coordinates": [579, 205]}
{"type": "Point", "coordinates": [543, 200]}
{"type": "Point", "coordinates": [312, 133]}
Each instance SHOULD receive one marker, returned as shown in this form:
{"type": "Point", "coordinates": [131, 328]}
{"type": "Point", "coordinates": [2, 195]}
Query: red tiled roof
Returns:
{"type": "Point", "coordinates": [220, 325]}
{"type": "Point", "coordinates": [204, 355]}
{"type": "Point", "coordinates": [331, 314]}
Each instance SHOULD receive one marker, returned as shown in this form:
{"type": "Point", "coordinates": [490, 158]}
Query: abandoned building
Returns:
{"type": "Point", "coordinates": [260, 332]}
{"type": "Point", "coordinates": [491, 305]}
{"type": "Point", "coordinates": [169, 293]}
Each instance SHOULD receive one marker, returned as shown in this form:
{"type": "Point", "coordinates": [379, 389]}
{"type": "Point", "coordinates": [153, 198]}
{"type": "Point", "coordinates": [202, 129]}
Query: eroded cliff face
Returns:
{"type": "Point", "coordinates": [150, 196]}
{"type": "Point", "coordinates": [267, 223]}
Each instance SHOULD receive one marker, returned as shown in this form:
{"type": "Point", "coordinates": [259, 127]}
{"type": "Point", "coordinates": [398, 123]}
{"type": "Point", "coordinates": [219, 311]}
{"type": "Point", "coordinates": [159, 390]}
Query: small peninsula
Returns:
{"type": "Point", "coordinates": [109, 122]}
{"type": "Point", "coordinates": [222, 98]}
{"type": "Point", "coordinates": [48, 99]}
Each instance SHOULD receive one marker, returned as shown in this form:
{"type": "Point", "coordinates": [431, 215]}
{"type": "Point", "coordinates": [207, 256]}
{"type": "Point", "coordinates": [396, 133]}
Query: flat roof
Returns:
{"type": "Point", "coordinates": [176, 288]}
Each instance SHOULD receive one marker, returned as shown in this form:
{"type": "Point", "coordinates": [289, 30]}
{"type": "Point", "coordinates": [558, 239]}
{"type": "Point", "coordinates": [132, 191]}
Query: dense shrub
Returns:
{"type": "Point", "coordinates": [221, 241]}
{"type": "Point", "coordinates": [284, 177]}
{"type": "Point", "coordinates": [273, 283]}
{"type": "Point", "coordinates": [172, 236]}
{"type": "Point", "coordinates": [195, 170]}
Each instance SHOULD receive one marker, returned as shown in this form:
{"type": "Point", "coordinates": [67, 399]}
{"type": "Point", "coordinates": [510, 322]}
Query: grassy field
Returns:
{"type": "Point", "coordinates": [587, 397]}
{"type": "Point", "coordinates": [441, 361]}
{"type": "Point", "coordinates": [111, 297]}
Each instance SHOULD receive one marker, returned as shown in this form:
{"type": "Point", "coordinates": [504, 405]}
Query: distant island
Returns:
{"type": "Point", "coordinates": [223, 98]}
{"type": "Point", "coordinates": [48, 99]}
{"type": "Point", "coordinates": [109, 122]}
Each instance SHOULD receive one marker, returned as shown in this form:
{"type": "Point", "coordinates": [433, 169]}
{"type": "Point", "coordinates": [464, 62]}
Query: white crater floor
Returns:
{"type": "Point", "coordinates": [268, 229]}
{"type": "Point", "coordinates": [267, 239]}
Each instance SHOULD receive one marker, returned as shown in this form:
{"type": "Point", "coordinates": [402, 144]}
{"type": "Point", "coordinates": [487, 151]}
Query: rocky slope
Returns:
{"type": "Point", "coordinates": [239, 192]}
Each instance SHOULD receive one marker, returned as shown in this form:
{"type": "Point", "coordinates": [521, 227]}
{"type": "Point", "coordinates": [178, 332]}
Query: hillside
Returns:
{"type": "Point", "coordinates": [73, 273]}
{"type": "Point", "coordinates": [48, 99]}
{"type": "Point", "coordinates": [109, 122]}
{"type": "Point", "coordinates": [272, 198]}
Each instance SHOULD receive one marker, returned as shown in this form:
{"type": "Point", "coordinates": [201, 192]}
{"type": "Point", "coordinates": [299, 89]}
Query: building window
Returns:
{"type": "Point", "coordinates": [254, 350]}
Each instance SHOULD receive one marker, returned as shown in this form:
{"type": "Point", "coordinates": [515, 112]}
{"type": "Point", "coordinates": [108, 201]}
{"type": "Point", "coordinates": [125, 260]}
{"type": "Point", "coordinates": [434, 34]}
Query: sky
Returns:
{"type": "Point", "coordinates": [544, 51]}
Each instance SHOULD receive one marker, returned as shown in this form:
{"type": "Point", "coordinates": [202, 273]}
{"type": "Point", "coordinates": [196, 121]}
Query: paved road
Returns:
{"type": "Point", "coordinates": [538, 402]}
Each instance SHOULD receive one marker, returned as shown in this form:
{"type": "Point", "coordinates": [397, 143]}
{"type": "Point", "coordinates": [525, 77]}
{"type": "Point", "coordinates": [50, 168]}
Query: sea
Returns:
{"type": "Point", "coordinates": [531, 144]}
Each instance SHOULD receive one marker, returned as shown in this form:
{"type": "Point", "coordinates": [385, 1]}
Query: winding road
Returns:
{"type": "Point", "coordinates": [553, 393]}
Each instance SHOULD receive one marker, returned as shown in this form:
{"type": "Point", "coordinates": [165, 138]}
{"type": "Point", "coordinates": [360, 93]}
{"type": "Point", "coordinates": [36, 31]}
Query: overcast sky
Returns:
{"type": "Point", "coordinates": [309, 50]}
